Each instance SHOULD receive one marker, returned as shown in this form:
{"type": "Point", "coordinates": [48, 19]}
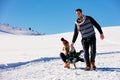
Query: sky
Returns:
{"type": "Point", "coordinates": [57, 16]}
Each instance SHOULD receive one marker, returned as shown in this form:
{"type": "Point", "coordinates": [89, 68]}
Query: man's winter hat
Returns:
{"type": "Point", "coordinates": [64, 41]}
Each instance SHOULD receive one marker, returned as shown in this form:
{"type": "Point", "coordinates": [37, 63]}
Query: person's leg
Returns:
{"type": "Point", "coordinates": [63, 57]}
{"type": "Point", "coordinates": [79, 59]}
{"type": "Point", "coordinates": [93, 52]}
{"type": "Point", "coordinates": [85, 44]}
{"type": "Point", "coordinates": [93, 48]}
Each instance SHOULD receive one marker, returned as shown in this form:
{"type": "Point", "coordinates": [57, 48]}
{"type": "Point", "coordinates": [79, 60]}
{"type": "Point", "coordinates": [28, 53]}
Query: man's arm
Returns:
{"type": "Point", "coordinates": [75, 35]}
{"type": "Point", "coordinates": [95, 24]}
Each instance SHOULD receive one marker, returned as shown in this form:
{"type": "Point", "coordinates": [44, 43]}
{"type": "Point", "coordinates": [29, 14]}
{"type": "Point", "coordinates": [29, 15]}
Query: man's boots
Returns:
{"type": "Point", "coordinates": [93, 65]}
{"type": "Point", "coordinates": [87, 68]}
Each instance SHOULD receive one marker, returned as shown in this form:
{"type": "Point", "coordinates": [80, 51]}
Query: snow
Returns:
{"type": "Point", "coordinates": [37, 57]}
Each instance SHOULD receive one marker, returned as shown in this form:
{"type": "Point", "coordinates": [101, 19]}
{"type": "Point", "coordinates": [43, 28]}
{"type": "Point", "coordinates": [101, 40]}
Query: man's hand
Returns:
{"type": "Point", "coordinates": [101, 36]}
{"type": "Point", "coordinates": [72, 44]}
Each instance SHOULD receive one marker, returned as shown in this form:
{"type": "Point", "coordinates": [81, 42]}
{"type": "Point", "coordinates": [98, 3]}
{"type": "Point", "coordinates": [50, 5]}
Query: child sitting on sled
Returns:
{"type": "Point", "coordinates": [70, 55]}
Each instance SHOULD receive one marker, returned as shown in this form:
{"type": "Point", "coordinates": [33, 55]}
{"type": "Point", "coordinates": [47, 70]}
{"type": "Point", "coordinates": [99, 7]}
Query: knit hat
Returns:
{"type": "Point", "coordinates": [64, 41]}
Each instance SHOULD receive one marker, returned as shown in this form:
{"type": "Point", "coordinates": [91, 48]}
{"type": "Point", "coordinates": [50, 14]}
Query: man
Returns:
{"type": "Point", "coordinates": [85, 24]}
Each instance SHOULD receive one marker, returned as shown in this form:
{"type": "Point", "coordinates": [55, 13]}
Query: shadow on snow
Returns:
{"type": "Point", "coordinates": [46, 59]}
{"type": "Point", "coordinates": [112, 52]}
{"type": "Point", "coordinates": [105, 69]}
{"type": "Point", "coordinates": [14, 65]}
{"type": "Point", "coordinates": [109, 69]}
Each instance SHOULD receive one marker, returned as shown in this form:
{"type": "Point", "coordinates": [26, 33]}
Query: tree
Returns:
{"type": "Point", "coordinates": [30, 28]}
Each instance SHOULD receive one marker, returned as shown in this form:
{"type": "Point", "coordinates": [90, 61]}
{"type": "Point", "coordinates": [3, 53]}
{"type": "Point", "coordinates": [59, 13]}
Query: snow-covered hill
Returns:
{"type": "Point", "coordinates": [6, 28]}
{"type": "Point", "coordinates": [37, 57]}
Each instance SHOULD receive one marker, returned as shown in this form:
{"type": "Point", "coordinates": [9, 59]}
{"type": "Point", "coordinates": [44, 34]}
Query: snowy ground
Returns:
{"type": "Point", "coordinates": [37, 57]}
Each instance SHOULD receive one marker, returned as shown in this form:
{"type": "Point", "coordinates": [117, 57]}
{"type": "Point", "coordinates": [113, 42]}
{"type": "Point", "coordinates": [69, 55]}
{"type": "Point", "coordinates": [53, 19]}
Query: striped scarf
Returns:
{"type": "Point", "coordinates": [85, 26]}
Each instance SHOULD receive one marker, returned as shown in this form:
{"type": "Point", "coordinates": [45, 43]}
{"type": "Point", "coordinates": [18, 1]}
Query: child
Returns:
{"type": "Point", "coordinates": [66, 50]}
{"type": "Point", "coordinates": [66, 46]}
{"type": "Point", "coordinates": [69, 55]}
